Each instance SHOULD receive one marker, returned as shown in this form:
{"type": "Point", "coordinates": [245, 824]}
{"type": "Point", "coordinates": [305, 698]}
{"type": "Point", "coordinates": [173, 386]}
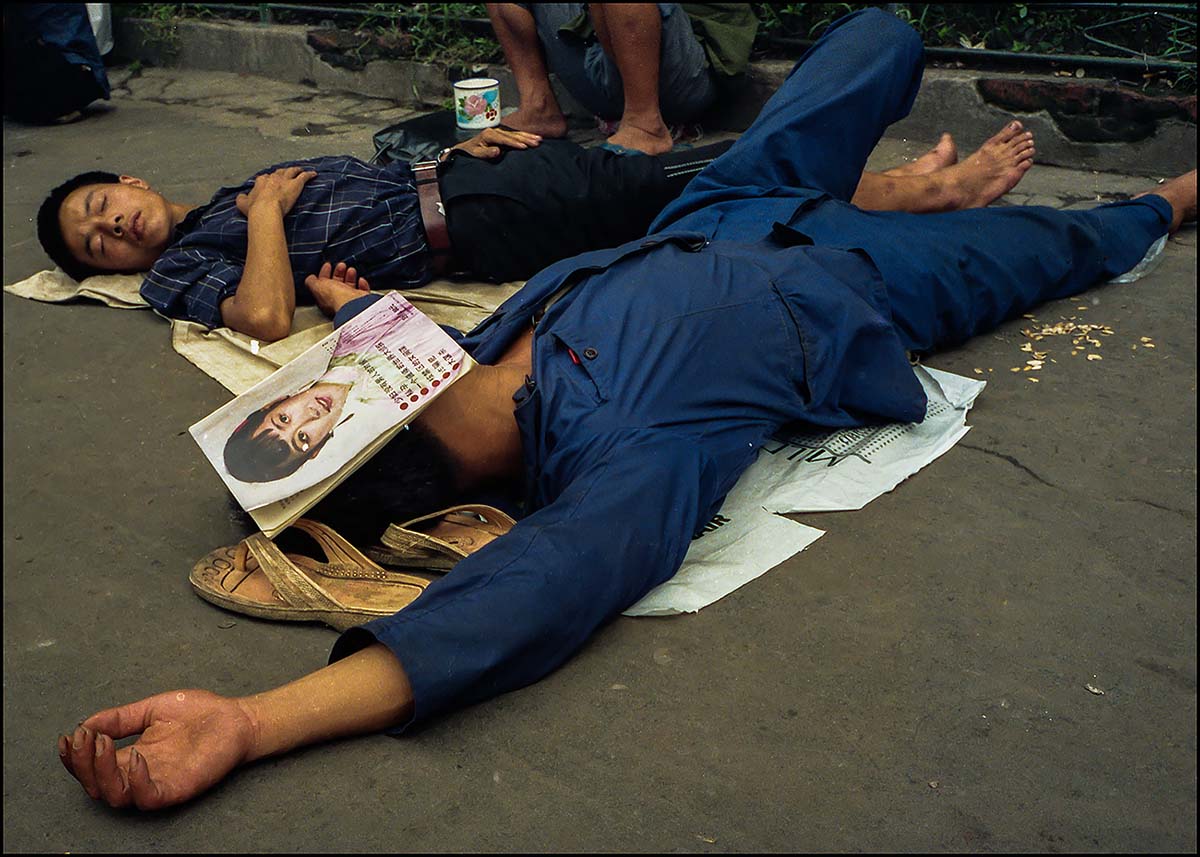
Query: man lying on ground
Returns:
{"type": "Point", "coordinates": [646, 379]}
{"type": "Point", "coordinates": [244, 259]}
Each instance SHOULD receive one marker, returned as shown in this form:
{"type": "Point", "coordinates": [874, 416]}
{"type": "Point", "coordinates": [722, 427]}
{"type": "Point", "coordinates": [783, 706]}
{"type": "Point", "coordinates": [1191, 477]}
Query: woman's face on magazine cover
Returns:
{"type": "Point", "coordinates": [304, 420]}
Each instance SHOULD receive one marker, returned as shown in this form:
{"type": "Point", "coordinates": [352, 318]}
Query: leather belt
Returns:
{"type": "Point", "coordinates": [433, 216]}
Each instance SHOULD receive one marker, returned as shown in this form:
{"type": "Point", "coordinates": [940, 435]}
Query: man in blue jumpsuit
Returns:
{"type": "Point", "coordinates": [655, 371]}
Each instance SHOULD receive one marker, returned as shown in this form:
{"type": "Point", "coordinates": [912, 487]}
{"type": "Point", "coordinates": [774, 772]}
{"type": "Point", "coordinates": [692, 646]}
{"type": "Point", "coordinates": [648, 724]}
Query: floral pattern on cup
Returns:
{"type": "Point", "coordinates": [474, 107]}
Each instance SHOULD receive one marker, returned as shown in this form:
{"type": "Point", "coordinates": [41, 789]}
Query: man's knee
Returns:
{"type": "Point", "coordinates": [883, 30]}
{"type": "Point", "coordinates": [886, 30]}
{"type": "Point", "coordinates": [872, 37]}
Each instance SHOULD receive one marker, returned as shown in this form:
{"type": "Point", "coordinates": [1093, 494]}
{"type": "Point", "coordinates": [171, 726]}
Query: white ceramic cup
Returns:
{"type": "Point", "coordinates": [477, 103]}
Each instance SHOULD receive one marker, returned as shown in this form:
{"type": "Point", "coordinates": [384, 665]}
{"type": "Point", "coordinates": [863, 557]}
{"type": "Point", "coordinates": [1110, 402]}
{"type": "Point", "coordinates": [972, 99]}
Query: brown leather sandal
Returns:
{"type": "Point", "coordinates": [440, 540]}
{"type": "Point", "coordinates": [345, 590]}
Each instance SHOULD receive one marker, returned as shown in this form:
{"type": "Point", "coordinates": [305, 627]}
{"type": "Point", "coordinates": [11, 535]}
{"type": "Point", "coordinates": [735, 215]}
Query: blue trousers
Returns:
{"type": "Point", "coordinates": [949, 276]}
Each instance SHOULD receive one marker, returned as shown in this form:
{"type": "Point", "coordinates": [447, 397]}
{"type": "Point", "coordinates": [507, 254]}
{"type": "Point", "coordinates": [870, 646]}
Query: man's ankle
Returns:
{"type": "Point", "coordinates": [648, 123]}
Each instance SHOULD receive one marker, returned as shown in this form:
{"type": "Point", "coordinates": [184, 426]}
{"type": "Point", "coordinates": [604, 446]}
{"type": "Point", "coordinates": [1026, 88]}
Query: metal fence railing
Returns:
{"type": "Point", "coordinates": [1177, 55]}
{"type": "Point", "coordinates": [1101, 26]}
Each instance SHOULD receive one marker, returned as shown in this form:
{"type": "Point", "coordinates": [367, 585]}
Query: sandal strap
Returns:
{"type": "Point", "coordinates": [338, 551]}
{"type": "Point", "coordinates": [353, 563]}
{"type": "Point", "coordinates": [344, 571]}
{"type": "Point", "coordinates": [412, 558]}
{"type": "Point", "coordinates": [490, 514]}
{"type": "Point", "coordinates": [293, 586]}
{"type": "Point", "coordinates": [405, 538]}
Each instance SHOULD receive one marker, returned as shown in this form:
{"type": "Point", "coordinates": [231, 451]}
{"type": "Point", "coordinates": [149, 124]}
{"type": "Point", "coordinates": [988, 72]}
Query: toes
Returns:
{"type": "Point", "coordinates": [948, 148]}
{"type": "Point", "coordinates": [1007, 133]}
{"type": "Point", "coordinates": [1019, 148]}
{"type": "Point", "coordinates": [1019, 140]}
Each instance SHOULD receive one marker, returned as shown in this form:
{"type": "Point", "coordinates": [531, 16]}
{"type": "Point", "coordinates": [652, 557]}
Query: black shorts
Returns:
{"type": "Point", "coordinates": [512, 217]}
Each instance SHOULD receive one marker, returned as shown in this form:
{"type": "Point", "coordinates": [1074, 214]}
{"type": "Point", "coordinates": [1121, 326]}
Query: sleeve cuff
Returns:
{"type": "Point", "coordinates": [352, 308]}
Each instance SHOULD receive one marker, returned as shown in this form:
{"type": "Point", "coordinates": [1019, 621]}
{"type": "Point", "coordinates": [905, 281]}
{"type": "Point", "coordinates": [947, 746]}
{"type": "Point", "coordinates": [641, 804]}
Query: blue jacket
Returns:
{"type": "Point", "coordinates": [657, 374]}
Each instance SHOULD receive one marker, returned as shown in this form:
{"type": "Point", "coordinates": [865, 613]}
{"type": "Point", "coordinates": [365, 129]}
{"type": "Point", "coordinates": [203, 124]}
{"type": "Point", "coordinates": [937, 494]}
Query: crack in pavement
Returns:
{"type": "Point", "coordinates": [1010, 460]}
{"type": "Point", "coordinates": [1184, 512]}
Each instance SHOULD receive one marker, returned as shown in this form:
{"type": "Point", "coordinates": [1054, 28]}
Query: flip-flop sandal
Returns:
{"type": "Point", "coordinates": [440, 540]}
{"type": "Point", "coordinates": [345, 591]}
{"type": "Point", "coordinates": [618, 149]}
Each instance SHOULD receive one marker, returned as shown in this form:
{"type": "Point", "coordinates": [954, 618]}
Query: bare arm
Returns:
{"type": "Point", "coordinates": [189, 740]}
{"type": "Point", "coordinates": [365, 692]}
{"type": "Point", "coordinates": [265, 300]}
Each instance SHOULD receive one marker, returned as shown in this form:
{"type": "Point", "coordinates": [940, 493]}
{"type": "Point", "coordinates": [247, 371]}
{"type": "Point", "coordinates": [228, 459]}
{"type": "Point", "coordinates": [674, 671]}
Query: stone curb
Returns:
{"type": "Point", "coordinates": [1083, 124]}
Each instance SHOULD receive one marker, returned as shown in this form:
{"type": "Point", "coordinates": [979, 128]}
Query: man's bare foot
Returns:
{"type": "Point", "coordinates": [643, 137]}
{"type": "Point", "coordinates": [944, 154]}
{"type": "Point", "coordinates": [548, 121]}
{"type": "Point", "coordinates": [992, 170]}
{"type": "Point", "coordinates": [1180, 193]}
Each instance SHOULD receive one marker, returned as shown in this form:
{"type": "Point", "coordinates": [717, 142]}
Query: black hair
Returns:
{"type": "Point", "coordinates": [412, 475]}
{"type": "Point", "coordinates": [252, 455]}
{"type": "Point", "coordinates": [50, 232]}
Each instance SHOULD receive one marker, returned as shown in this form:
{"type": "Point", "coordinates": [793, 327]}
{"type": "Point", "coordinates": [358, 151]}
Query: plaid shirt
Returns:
{"type": "Point", "coordinates": [366, 216]}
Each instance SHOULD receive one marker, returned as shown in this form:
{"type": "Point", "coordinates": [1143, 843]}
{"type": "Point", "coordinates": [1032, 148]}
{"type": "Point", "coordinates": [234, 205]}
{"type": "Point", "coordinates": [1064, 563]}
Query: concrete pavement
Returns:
{"type": "Point", "coordinates": [917, 679]}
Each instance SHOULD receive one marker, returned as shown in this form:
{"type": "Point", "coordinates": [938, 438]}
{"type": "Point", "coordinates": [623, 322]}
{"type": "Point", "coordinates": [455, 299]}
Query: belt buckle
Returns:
{"type": "Point", "coordinates": [421, 166]}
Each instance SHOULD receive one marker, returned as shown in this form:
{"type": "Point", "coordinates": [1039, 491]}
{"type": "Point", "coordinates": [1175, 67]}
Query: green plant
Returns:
{"type": "Point", "coordinates": [1167, 33]}
{"type": "Point", "coordinates": [162, 33]}
{"type": "Point", "coordinates": [437, 34]}
{"type": "Point", "coordinates": [442, 32]}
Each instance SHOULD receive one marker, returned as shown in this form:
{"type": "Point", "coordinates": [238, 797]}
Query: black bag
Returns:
{"type": "Point", "coordinates": [52, 65]}
{"type": "Point", "coordinates": [418, 139]}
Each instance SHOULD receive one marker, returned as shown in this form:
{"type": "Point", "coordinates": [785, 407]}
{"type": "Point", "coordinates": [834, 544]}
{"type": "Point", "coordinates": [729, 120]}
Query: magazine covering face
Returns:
{"type": "Point", "coordinates": [311, 423]}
